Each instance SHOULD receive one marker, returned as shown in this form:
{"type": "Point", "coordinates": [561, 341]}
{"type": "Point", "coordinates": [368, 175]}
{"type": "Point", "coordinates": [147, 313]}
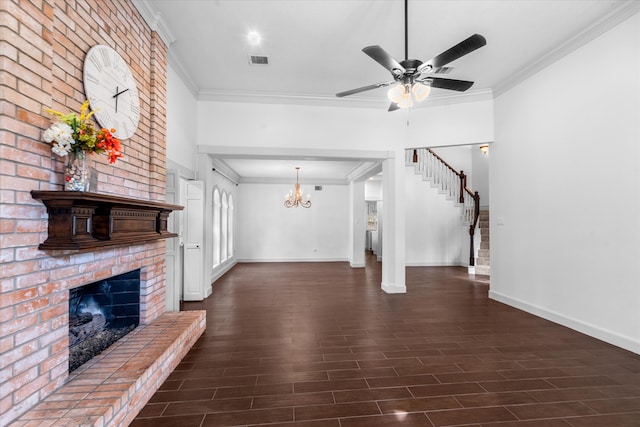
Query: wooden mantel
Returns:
{"type": "Point", "coordinates": [82, 221]}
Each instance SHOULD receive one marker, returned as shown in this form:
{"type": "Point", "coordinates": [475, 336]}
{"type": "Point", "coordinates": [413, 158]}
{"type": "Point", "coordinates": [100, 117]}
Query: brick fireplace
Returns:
{"type": "Point", "coordinates": [43, 55]}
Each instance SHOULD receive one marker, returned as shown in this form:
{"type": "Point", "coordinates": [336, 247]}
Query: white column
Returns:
{"type": "Point", "coordinates": [393, 231]}
{"type": "Point", "coordinates": [357, 224]}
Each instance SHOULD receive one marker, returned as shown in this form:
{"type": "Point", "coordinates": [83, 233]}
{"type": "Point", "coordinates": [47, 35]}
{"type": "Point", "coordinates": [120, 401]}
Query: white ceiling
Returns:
{"type": "Point", "coordinates": [315, 47]}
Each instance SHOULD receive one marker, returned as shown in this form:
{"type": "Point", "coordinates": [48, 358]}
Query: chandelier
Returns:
{"type": "Point", "coordinates": [294, 199]}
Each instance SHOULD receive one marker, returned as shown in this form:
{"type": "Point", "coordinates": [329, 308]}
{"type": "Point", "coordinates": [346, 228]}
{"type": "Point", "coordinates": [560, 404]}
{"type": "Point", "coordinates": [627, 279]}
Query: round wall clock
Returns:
{"type": "Point", "coordinates": [111, 91]}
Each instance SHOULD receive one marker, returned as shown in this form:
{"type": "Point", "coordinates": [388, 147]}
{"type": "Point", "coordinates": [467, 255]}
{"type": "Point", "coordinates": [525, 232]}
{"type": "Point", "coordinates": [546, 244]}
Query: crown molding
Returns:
{"type": "Point", "coordinates": [616, 16]}
{"type": "Point", "coordinates": [364, 171]}
{"type": "Point", "coordinates": [154, 20]}
{"type": "Point", "coordinates": [225, 169]}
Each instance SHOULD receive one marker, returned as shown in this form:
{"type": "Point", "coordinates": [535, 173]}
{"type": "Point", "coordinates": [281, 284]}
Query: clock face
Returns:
{"type": "Point", "coordinates": [111, 91]}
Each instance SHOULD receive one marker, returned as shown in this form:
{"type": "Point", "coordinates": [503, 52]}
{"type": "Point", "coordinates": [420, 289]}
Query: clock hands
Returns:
{"type": "Point", "coordinates": [117, 95]}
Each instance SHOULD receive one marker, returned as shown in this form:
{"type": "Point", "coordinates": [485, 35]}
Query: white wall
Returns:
{"type": "Point", "coordinates": [318, 127]}
{"type": "Point", "coordinates": [435, 233]}
{"type": "Point", "coordinates": [565, 182]}
{"type": "Point", "coordinates": [181, 122]}
{"type": "Point", "coordinates": [480, 178]}
{"type": "Point", "coordinates": [268, 231]}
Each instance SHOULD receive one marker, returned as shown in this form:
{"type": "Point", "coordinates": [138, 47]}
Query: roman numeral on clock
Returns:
{"type": "Point", "coordinates": [93, 79]}
{"type": "Point", "coordinates": [96, 63]}
{"type": "Point", "coordinates": [106, 59]}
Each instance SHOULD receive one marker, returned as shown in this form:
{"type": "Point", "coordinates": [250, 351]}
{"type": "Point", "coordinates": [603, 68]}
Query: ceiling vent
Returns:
{"type": "Point", "coordinates": [318, 187]}
{"type": "Point", "coordinates": [258, 60]}
{"type": "Point", "coordinates": [443, 70]}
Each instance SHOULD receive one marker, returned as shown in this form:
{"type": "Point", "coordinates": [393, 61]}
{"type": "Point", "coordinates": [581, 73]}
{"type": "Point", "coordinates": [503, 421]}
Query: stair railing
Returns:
{"type": "Point", "coordinates": [453, 184]}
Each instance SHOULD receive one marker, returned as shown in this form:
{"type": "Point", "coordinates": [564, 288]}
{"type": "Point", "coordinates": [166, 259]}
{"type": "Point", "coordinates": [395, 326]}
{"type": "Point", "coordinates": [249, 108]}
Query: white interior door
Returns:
{"type": "Point", "coordinates": [193, 241]}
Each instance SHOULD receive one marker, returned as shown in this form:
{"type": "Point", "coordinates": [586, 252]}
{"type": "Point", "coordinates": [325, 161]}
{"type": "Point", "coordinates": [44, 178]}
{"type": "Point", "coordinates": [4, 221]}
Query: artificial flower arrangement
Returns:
{"type": "Point", "coordinates": [75, 133]}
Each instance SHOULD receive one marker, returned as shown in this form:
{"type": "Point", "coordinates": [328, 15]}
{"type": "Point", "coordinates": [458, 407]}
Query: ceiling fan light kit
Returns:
{"type": "Point", "coordinates": [401, 96]}
{"type": "Point", "coordinates": [420, 91]}
{"type": "Point", "coordinates": [414, 78]}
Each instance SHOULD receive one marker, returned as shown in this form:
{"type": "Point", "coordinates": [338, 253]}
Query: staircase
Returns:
{"type": "Point", "coordinates": [483, 266]}
{"type": "Point", "coordinates": [453, 185]}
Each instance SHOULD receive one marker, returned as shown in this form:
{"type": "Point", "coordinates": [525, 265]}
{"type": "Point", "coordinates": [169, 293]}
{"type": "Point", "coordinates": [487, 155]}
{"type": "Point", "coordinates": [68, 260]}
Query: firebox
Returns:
{"type": "Point", "coordinates": [101, 313]}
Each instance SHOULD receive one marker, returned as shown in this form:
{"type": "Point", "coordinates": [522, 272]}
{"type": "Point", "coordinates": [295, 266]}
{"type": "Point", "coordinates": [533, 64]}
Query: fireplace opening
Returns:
{"type": "Point", "coordinates": [101, 313]}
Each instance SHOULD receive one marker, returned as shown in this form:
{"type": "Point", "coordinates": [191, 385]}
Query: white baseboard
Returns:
{"type": "Point", "coordinates": [393, 289]}
{"type": "Point", "coordinates": [434, 264]}
{"type": "Point", "coordinates": [605, 335]}
{"type": "Point", "coordinates": [293, 260]}
{"type": "Point", "coordinates": [357, 264]}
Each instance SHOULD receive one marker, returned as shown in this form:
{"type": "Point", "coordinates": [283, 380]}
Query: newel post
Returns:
{"type": "Point", "coordinates": [415, 155]}
{"type": "Point", "coordinates": [463, 184]}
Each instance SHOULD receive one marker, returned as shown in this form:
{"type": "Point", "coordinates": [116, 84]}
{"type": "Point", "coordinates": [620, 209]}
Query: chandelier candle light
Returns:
{"type": "Point", "coordinates": [294, 199]}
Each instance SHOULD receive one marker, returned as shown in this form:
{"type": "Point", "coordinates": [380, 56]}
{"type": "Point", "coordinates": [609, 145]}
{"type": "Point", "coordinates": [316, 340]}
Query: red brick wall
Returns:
{"type": "Point", "coordinates": [42, 51]}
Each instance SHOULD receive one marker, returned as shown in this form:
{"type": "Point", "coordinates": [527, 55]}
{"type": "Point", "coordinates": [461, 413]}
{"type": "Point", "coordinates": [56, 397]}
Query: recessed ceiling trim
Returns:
{"type": "Point", "coordinates": [281, 153]}
{"type": "Point", "coordinates": [305, 182]}
{"type": "Point", "coordinates": [332, 101]}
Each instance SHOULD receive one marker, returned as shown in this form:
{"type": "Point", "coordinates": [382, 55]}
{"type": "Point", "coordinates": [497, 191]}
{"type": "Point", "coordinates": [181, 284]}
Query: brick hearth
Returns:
{"type": "Point", "coordinates": [112, 388]}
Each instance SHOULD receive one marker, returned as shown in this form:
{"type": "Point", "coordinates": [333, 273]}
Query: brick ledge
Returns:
{"type": "Point", "coordinates": [112, 388]}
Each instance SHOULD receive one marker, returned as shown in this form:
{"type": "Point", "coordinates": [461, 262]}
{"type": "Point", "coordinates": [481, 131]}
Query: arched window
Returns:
{"type": "Point", "coordinates": [216, 227]}
{"type": "Point", "coordinates": [224, 227]}
{"type": "Point", "coordinates": [230, 227]}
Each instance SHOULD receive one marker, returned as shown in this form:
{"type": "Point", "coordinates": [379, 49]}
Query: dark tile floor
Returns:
{"type": "Point", "coordinates": [320, 344]}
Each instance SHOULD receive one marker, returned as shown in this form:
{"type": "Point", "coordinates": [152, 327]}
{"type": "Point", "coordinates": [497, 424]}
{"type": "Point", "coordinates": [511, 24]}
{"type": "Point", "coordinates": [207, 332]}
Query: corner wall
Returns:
{"type": "Point", "coordinates": [565, 183]}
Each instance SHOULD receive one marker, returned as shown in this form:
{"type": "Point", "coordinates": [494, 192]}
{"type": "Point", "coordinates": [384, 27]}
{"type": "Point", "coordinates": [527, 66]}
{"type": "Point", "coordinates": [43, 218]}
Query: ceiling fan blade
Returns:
{"type": "Point", "coordinates": [381, 56]}
{"type": "Point", "coordinates": [472, 43]}
{"type": "Point", "coordinates": [393, 107]}
{"type": "Point", "coordinates": [362, 89]}
{"type": "Point", "coordinates": [451, 84]}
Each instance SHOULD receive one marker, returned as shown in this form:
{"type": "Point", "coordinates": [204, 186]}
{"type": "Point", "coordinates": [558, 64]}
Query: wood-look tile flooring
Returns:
{"type": "Point", "coordinates": [320, 344]}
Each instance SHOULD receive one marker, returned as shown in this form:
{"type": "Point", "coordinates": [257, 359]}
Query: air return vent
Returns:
{"type": "Point", "coordinates": [318, 187]}
{"type": "Point", "coordinates": [258, 60]}
{"type": "Point", "coordinates": [443, 70]}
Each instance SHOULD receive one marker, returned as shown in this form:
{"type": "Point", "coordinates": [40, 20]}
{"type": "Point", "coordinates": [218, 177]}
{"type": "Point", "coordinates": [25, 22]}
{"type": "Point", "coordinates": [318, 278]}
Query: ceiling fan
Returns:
{"type": "Point", "coordinates": [414, 77]}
